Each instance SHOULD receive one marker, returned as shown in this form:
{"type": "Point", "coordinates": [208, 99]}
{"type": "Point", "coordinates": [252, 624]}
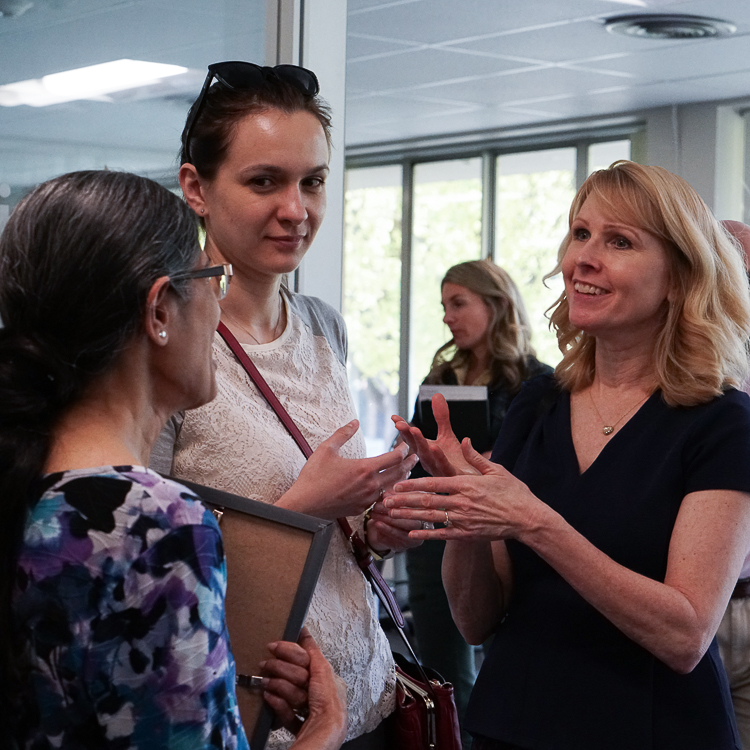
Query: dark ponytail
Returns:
{"type": "Point", "coordinates": [77, 259]}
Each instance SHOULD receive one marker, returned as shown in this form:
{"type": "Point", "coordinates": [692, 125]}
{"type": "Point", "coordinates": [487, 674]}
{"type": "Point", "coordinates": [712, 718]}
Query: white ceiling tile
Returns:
{"type": "Point", "coordinates": [687, 60]}
{"type": "Point", "coordinates": [523, 88]}
{"type": "Point", "coordinates": [376, 110]}
{"type": "Point", "coordinates": [361, 47]}
{"type": "Point", "coordinates": [591, 72]}
{"type": "Point", "coordinates": [424, 66]}
{"type": "Point", "coordinates": [580, 40]}
{"type": "Point", "coordinates": [435, 21]}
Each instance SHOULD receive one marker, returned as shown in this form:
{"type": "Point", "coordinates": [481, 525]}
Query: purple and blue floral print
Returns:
{"type": "Point", "coordinates": [119, 603]}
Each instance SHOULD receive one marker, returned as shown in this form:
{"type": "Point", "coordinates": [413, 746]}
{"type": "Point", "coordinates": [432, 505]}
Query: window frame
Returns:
{"type": "Point", "coordinates": [408, 155]}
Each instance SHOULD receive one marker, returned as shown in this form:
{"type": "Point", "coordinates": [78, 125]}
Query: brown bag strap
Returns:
{"type": "Point", "coordinates": [359, 548]}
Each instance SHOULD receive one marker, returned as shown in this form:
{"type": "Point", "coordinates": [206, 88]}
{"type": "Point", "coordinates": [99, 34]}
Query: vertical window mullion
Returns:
{"type": "Point", "coordinates": [488, 205]}
{"type": "Point", "coordinates": [582, 163]}
{"type": "Point", "coordinates": [407, 226]}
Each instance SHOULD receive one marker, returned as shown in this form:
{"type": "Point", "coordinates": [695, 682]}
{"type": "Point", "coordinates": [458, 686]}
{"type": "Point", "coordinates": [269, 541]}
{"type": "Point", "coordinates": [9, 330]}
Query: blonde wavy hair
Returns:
{"type": "Point", "coordinates": [702, 346]}
{"type": "Point", "coordinates": [508, 334]}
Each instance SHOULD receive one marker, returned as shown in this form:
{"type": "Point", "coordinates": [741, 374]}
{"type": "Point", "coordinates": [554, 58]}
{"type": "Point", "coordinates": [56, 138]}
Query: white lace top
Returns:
{"type": "Point", "coordinates": [238, 444]}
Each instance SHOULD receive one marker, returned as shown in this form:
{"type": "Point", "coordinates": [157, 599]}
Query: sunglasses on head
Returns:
{"type": "Point", "coordinates": [246, 76]}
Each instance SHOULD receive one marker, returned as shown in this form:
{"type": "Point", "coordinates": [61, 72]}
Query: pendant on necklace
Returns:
{"type": "Point", "coordinates": [607, 429]}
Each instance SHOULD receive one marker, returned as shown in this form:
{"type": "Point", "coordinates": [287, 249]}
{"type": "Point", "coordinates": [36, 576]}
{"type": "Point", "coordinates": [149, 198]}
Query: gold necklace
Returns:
{"type": "Point", "coordinates": [608, 429]}
{"type": "Point", "coordinates": [275, 329]}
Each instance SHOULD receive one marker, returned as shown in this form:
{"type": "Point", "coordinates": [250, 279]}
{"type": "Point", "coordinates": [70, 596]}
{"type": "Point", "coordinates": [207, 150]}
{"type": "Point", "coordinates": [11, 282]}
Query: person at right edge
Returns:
{"type": "Point", "coordinates": [603, 540]}
{"type": "Point", "coordinates": [490, 345]}
{"type": "Point", "coordinates": [733, 635]}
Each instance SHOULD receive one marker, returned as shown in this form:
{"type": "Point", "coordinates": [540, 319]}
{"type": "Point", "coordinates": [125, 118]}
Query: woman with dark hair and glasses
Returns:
{"type": "Point", "coordinates": [255, 156]}
{"type": "Point", "coordinates": [113, 579]}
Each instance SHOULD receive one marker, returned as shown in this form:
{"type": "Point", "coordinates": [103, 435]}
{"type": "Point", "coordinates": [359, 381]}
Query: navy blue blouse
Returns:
{"type": "Point", "coordinates": [560, 675]}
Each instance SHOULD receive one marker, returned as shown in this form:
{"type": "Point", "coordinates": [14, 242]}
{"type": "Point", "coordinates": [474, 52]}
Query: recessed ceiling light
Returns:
{"type": "Point", "coordinates": [668, 26]}
{"type": "Point", "coordinates": [91, 82]}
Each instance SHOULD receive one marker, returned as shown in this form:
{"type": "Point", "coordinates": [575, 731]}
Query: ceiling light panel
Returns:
{"type": "Point", "coordinates": [91, 82]}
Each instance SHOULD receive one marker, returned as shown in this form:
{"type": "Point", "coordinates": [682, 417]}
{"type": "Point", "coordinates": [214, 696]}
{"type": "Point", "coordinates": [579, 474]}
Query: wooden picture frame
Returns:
{"type": "Point", "coordinates": [274, 557]}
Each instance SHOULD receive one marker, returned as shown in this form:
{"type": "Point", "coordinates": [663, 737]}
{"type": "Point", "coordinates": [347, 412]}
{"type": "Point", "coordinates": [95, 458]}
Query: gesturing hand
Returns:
{"type": "Point", "coordinates": [330, 486]}
{"type": "Point", "coordinates": [443, 456]}
{"type": "Point", "coordinates": [492, 505]}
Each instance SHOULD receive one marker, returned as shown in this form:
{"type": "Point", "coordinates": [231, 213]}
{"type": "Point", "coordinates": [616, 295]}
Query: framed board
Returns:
{"type": "Point", "coordinates": [469, 412]}
{"type": "Point", "coordinates": [274, 557]}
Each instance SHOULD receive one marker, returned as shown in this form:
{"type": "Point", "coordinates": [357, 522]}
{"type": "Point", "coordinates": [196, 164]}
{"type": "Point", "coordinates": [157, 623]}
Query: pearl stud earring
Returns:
{"type": "Point", "coordinates": [162, 334]}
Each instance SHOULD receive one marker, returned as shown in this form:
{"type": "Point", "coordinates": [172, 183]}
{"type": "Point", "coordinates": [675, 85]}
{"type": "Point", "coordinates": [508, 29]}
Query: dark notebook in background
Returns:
{"type": "Point", "coordinates": [469, 410]}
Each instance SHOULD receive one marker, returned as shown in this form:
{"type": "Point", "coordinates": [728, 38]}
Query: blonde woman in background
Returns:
{"type": "Point", "coordinates": [490, 345]}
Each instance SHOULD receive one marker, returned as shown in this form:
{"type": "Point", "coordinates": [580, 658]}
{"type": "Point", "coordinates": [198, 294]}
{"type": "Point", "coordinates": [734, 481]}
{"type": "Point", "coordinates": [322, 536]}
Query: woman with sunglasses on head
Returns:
{"type": "Point", "coordinates": [255, 159]}
{"type": "Point", "coordinates": [113, 579]}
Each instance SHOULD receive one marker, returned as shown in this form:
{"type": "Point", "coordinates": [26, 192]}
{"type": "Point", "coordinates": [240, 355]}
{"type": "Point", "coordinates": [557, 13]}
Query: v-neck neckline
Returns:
{"type": "Point", "coordinates": [634, 419]}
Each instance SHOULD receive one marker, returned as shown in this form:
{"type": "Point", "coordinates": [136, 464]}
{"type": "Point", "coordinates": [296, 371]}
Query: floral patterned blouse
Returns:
{"type": "Point", "coordinates": [119, 602]}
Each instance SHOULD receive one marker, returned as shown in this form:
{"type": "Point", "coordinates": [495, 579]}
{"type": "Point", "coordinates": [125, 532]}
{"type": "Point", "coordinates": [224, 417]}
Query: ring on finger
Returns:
{"type": "Point", "coordinates": [448, 523]}
{"type": "Point", "coordinates": [427, 525]}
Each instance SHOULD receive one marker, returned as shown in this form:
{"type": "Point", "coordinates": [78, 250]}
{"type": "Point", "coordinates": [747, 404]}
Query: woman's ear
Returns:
{"type": "Point", "coordinates": [192, 188]}
{"type": "Point", "coordinates": [159, 311]}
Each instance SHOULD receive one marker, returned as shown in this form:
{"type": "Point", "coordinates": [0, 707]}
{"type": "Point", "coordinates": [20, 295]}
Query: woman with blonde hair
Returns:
{"type": "Point", "coordinates": [490, 345]}
{"type": "Point", "coordinates": [602, 542]}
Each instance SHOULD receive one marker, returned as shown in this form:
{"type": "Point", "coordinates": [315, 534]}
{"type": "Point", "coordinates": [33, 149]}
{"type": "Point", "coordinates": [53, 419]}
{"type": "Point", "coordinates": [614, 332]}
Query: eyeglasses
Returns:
{"type": "Point", "coordinates": [246, 76]}
{"type": "Point", "coordinates": [224, 272]}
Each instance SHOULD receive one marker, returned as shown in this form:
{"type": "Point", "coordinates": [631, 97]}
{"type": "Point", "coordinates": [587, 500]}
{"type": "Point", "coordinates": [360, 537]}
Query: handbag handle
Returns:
{"type": "Point", "coordinates": [358, 546]}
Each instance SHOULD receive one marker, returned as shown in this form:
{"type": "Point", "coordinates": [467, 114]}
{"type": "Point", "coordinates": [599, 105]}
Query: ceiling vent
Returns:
{"type": "Point", "coordinates": [668, 26]}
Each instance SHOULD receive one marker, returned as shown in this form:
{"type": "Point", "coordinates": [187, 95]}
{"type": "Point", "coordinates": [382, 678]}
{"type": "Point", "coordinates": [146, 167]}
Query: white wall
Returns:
{"type": "Point", "coordinates": [705, 144]}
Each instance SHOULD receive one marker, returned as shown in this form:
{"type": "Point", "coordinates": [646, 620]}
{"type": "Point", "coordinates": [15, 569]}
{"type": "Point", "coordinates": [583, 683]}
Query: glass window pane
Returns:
{"type": "Point", "coordinates": [372, 298]}
{"type": "Point", "coordinates": [134, 126]}
{"type": "Point", "coordinates": [447, 230]}
{"type": "Point", "coordinates": [534, 193]}
{"type": "Point", "coordinates": [601, 155]}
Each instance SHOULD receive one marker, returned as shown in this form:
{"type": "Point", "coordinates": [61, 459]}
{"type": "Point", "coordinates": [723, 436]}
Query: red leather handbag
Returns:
{"type": "Point", "coordinates": [425, 714]}
{"type": "Point", "coordinates": [426, 717]}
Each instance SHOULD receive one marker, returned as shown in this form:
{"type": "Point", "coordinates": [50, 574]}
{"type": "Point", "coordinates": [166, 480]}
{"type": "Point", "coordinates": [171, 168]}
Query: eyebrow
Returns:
{"type": "Point", "coordinates": [630, 227]}
{"type": "Point", "coordinates": [612, 225]}
{"type": "Point", "coordinates": [275, 169]}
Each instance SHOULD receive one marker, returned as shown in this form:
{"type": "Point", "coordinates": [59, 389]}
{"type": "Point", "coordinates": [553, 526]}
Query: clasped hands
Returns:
{"type": "Point", "coordinates": [475, 498]}
{"type": "Point", "coordinates": [299, 682]}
